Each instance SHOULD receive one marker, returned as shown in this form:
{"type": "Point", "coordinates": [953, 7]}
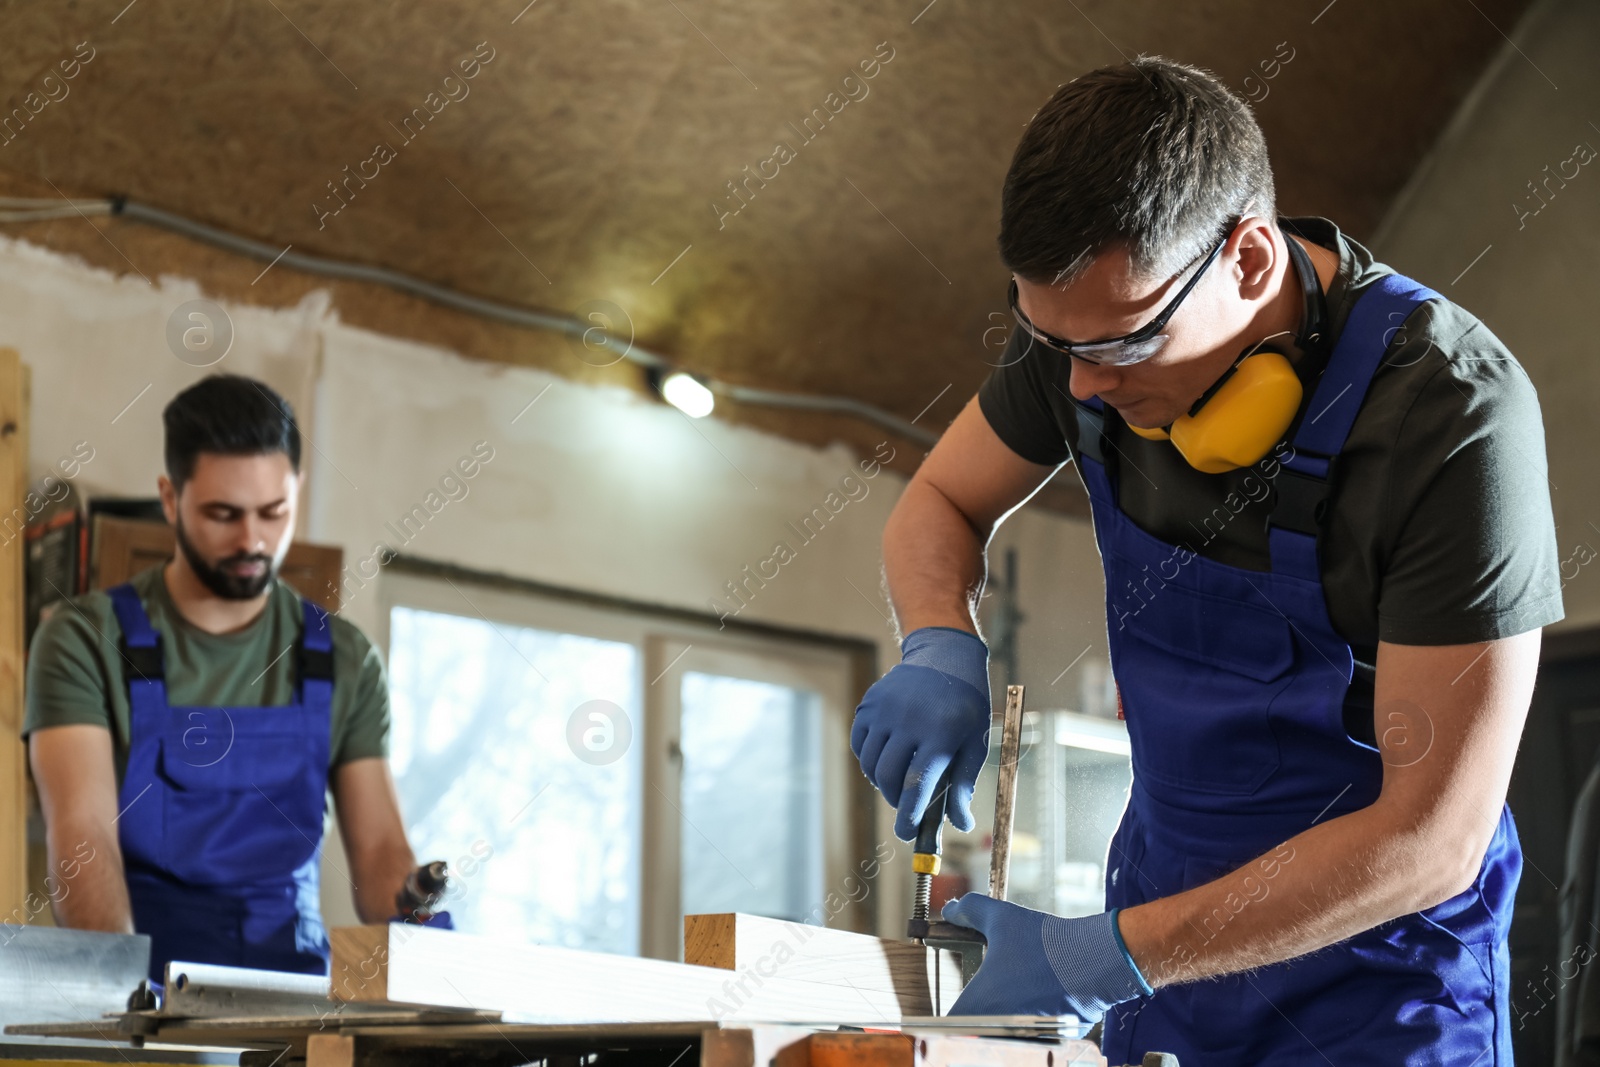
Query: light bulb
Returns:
{"type": "Point", "coordinates": [686, 394]}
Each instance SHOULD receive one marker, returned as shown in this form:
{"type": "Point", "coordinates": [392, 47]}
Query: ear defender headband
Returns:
{"type": "Point", "coordinates": [1248, 410]}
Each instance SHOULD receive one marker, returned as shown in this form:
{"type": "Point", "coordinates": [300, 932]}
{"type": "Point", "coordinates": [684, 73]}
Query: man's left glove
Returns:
{"type": "Point", "coordinates": [439, 920]}
{"type": "Point", "coordinates": [1039, 964]}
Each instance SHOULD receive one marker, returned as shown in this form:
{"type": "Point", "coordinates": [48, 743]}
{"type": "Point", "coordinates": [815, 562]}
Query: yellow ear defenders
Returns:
{"type": "Point", "coordinates": [1249, 409]}
{"type": "Point", "coordinates": [1240, 418]}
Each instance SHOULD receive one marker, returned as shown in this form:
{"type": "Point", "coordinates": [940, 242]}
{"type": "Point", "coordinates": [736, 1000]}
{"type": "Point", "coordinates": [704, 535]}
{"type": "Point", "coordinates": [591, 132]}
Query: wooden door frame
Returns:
{"type": "Point", "coordinates": [13, 645]}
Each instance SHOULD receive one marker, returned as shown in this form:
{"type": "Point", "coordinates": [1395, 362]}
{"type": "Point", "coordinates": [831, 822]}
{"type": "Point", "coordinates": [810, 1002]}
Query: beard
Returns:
{"type": "Point", "coordinates": [223, 583]}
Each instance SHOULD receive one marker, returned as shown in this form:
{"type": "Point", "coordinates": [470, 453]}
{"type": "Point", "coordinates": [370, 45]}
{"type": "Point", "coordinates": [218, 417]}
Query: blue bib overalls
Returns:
{"type": "Point", "coordinates": [222, 811]}
{"type": "Point", "coordinates": [1233, 684]}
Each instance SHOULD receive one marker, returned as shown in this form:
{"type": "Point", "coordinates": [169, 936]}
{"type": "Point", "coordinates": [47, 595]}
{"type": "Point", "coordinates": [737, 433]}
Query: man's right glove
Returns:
{"type": "Point", "coordinates": [1039, 964]}
{"type": "Point", "coordinates": [929, 714]}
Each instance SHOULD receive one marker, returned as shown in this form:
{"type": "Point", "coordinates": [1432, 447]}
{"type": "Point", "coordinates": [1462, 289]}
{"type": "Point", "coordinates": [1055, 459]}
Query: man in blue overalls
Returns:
{"type": "Point", "coordinates": [1319, 497]}
{"type": "Point", "coordinates": [227, 706]}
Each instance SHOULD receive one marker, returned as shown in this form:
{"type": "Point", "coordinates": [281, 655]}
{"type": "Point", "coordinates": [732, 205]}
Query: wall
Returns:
{"type": "Point", "coordinates": [589, 488]}
{"type": "Point", "coordinates": [1534, 283]}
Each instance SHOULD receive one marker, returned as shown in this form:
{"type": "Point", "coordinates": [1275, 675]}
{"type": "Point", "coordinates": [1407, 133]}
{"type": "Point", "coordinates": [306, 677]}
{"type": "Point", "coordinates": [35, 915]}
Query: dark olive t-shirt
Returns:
{"type": "Point", "coordinates": [76, 672]}
{"type": "Point", "coordinates": [1439, 529]}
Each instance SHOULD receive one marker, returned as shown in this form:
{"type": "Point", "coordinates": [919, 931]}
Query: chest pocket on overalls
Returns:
{"type": "Point", "coordinates": [244, 806]}
{"type": "Point", "coordinates": [1198, 675]}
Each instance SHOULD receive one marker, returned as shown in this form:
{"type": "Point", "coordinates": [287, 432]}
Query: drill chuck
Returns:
{"type": "Point", "coordinates": [424, 889]}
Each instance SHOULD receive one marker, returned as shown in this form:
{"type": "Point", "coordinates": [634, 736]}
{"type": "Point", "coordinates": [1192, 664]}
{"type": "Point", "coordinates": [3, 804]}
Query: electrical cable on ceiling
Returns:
{"type": "Point", "coordinates": [23, 209]}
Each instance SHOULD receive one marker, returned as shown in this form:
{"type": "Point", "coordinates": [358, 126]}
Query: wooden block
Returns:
{"type": "Point", "coordinates": [330, 1050]}
{"type": "Point", "coordinates": [955, 1051]}
{"type": "Point", "coordinates": [804, 953]}
{"type": "Point", "coordinates": [756, 1046]}
{"type": "Point", "coordinates": [848, 1050]}
{"type": "Point", "coordinates": [924, 1050]}
{"type": "Point", "coordinates": [422, 966]}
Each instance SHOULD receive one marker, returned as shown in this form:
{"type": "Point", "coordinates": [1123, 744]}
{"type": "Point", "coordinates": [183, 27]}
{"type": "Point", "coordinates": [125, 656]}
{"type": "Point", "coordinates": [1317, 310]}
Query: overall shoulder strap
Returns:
{"type": "Point", "coordinates": [1303, 485]}
{"type": "Point", "coordinates": [1097, 455]}
{"type": "Point", "coordinates": [141, 642]}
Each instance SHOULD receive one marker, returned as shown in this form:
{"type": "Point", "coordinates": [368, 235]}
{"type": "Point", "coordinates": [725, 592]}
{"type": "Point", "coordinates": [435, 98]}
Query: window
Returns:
{"type": "Point", "coordinates": [481, 757]}
{"type": "Point", "coordinates": [750, 777]}
{"type": "Point", "coordinates": [562, 755]}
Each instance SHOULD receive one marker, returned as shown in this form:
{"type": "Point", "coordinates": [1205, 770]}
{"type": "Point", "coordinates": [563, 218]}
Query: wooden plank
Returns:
{"type": "Point", "coordinates": [13, 755]}
{"type": "Point", "coordinates": [330, 1050]}
{"type": "Point", "coordinates": [423, 966]}
{"type": "Point", "coordinates": [775, 948]}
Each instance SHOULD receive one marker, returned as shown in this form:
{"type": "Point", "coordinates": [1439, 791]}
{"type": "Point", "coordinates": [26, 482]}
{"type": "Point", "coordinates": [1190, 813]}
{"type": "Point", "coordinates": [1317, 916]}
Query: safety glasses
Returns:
{"type": "Point", "coordinates": [1135, 347]}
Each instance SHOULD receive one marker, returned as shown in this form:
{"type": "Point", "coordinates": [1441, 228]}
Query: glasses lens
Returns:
{"type": "Point", "coordinates": [1108, 353]}
{"type": "Point", "coordinates": [1118, 354]}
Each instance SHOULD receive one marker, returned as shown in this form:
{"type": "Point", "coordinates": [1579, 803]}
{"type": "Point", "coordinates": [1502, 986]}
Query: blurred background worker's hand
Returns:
{"type": "Point", "coordinates": [929, 714]}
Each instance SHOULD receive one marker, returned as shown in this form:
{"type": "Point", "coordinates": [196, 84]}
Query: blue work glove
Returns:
{"type": "Point", "coordinates": [439, 920]}
{"type": "Point", "coordinates": [929, 714]}
{"type": "Point", "coordinates": [1038, 964]}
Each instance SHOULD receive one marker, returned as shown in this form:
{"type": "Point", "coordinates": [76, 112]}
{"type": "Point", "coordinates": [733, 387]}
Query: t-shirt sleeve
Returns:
{"type": "Point", "coordinates": [1475, 558]}
{"type": "Point", "coordinates": [66, 683]}
{"type": "Point", "coordinates": [1019, 401]}
{"type": "Point", "coordinates": [364, 733]}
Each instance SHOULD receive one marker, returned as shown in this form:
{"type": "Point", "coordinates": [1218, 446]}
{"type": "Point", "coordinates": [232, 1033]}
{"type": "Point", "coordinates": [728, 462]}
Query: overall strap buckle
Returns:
{"type": "Point", "coordinates": [316, 664]}
{"type": "Point", "coordinates": [1301, 502]}
{"type": "Point", "coordinates": [316, 645]}
{"type": "Point", "coordinates": [1091, 431]}
{"type": "Point", "coordinates": [143, 661]}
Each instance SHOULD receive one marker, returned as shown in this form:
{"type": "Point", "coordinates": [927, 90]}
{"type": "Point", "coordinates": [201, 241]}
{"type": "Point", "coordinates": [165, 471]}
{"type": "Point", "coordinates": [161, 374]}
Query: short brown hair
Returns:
{"type": "Point", "coordinates": [1154, 155]}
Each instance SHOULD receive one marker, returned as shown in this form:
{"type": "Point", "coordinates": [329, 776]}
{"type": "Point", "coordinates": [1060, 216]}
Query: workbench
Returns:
{"type": "Point", "coordinates": [806, 997]}
{"type": "Point", "coordinates": [292, 1042]}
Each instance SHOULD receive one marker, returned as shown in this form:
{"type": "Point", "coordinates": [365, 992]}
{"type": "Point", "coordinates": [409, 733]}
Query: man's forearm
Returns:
{"type": "Point", "coordinates": [379, 875]}
{"type": "Point", "coordinates": [1321, 886]}
{"type": "Point", "coordinates": [932, 561]}
{"type": "Point", "coordinates": [85, 881]}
